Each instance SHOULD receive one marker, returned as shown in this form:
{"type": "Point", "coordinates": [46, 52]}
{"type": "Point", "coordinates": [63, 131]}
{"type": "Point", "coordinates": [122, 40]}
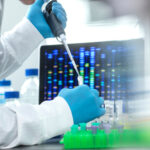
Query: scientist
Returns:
{"type": "Point", "coordinates": [26, 124]}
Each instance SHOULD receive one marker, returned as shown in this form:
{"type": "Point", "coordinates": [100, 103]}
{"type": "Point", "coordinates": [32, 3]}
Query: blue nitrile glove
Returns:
{"type": "Point", "coordinates": [85, 103]}
{"type": "Point", "coordinates": [36, 17]}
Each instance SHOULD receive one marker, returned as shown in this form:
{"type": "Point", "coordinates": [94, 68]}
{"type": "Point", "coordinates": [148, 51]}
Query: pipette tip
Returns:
{"type": "Point", "coordinates": [80, 80]}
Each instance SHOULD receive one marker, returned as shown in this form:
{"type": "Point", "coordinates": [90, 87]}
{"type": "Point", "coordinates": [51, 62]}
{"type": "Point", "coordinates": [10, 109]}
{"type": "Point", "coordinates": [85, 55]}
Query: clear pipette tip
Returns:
{"type": "Point", "coordinates": [63, 40]}
{"type": "Point", "coordinates": [80, 80]}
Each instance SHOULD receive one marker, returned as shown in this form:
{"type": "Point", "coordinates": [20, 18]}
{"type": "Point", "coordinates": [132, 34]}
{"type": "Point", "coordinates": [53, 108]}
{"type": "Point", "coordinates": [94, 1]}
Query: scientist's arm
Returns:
{"type": "Point", "coordinates": [19, 43]}
{"type": "Point", "coordinates": [26, 124]}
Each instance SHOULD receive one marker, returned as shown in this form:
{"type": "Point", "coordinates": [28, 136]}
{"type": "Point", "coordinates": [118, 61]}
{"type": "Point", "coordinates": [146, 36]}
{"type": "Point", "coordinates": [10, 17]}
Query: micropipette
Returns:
{"type": "Point", "coordinates": [59, 33]}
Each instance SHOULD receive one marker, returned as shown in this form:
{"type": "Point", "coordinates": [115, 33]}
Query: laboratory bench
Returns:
{"type": "Point", "coordinates": [57, 146]}
{"type": "Point", "coordinates": [41, 147]}
{"type": "Point", "coordinates": [53, 144]}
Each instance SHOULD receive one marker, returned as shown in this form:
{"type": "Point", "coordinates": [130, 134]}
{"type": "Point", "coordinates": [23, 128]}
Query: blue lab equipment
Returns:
{"type": "Point", "coordinates": [5, 83]}
{"type": "Point", "coordinates": [4, 86]}
{"type": "Point", "coordinates": [31, 72]}
{"type": "Point", "coordinates": [11, 96]}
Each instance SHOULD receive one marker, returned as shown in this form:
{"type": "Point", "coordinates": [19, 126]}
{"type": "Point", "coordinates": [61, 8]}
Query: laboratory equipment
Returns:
{"type": "Point", "coordinates": [2, 102]}
{"type": "Point", "coordinates": [59, 33]}
{"type": "Point", "coordinates": [30, 87]}
{"type": "Point", "coordinates": [94, 137]}
{"type": "Point", "coordinates": [12, 97]}
{"type": "Point", "coordinates": [5, 85]}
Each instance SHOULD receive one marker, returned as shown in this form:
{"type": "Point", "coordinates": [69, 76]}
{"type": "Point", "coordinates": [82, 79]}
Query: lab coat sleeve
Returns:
{"type": "Point", "coordinates": [26, 124]}
{"type": "Point", "coordinates": [16, 45]}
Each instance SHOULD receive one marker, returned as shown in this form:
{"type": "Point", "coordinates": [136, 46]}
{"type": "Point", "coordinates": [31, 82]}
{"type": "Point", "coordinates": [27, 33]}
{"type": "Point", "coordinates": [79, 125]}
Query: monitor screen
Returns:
{"type": "Point", "coordinates": [110, 67]}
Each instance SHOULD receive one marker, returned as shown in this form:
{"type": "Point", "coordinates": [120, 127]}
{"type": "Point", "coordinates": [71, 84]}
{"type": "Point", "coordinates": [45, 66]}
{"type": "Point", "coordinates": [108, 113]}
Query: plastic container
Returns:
{"type": "Point", "coordinates": [2, 102]}
{"type": "Point", "coordinates": [30, 88]}
{"type": "Point", "coordinates": [5, 85]}
{"type": "Point", "coordinates": [12, 97]}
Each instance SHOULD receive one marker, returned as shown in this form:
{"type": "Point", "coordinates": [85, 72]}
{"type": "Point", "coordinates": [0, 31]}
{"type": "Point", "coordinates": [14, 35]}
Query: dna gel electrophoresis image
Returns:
{"type": "Point", "coordinates": [108, 67]}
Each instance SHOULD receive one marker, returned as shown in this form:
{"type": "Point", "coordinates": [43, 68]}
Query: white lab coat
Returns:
{"type": "Point", "coordinates": [26, 124]}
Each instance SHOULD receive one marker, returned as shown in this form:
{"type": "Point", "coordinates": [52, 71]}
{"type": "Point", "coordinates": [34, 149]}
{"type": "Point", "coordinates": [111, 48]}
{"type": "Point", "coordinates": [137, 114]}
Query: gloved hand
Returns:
{"type": "Point", "coordinates": [36, 17]}
{"type": "Point", "coordinates": [84, 103]}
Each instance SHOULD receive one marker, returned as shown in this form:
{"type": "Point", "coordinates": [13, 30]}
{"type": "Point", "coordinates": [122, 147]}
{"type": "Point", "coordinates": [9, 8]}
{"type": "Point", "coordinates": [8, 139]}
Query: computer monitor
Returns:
{"type": "Point", "coordinates": [110, 67]}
